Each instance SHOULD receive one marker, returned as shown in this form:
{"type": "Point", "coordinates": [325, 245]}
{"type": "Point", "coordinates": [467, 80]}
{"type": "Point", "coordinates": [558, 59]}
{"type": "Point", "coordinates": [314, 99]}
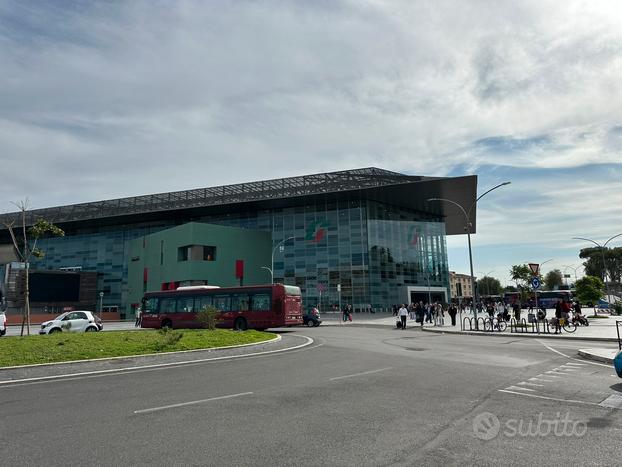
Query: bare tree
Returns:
{"type": "Point", "coordinates": [25, 251]}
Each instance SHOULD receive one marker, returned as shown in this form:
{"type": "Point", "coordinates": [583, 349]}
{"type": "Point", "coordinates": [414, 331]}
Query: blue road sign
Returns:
{"type": "Point", "coordinates": [535, 282]}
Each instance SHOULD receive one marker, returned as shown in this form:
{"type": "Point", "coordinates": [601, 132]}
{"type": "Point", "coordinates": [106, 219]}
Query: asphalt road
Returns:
{"type": "Point", "coordinates": [356, 396]}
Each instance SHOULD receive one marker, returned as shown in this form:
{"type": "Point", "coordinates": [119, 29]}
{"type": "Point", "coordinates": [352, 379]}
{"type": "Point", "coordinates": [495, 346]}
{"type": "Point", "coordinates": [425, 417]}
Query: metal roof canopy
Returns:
{"type": "Point", "coordinates": [371, 183]}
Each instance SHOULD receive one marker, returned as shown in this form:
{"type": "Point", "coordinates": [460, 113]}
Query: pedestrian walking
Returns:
{"type": "Point", "coordinates": [403, 313]}
{"type": "Point", "coordinates": [139, 313]}
{"type": "Point", "coordinates": [452, 313]}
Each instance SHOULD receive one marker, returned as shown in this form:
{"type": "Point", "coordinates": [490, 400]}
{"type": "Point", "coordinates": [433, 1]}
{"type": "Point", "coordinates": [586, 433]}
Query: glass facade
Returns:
{"type": "Point", "coordinates": [371, 250]}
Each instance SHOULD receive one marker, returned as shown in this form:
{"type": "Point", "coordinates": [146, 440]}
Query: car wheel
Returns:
{"type": "Point", "coordinates": [240, 324]}
{"type": "Point", "coordinates": [310, 323]}
{"type": "Point", "coordinates": [316, 324]}
{"type": "Point", "coordinates": [52, 331]}
{"type": "Point", "coordinates": [91, 329]}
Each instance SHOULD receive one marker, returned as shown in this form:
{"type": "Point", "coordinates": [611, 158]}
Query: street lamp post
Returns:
{"type": "Point", "coordinates": [101, 304]}
{"type": "Point", "coordinates": [535, 292]}
{"type": "Point", "coordinates": [574, 268]}
{"type": "Point", "coordinates": [468, 227]}
{"type": "Point", "coordinates": [487, 282]}
{"type": "Point", "coordinates": [271, 268]}
{"type": "Point", "coordinates": [602, 250]}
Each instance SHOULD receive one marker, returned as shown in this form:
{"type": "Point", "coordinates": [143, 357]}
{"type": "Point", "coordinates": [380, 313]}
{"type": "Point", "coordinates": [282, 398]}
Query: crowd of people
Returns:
{"type": "Point", "coordinates": [425, 313]}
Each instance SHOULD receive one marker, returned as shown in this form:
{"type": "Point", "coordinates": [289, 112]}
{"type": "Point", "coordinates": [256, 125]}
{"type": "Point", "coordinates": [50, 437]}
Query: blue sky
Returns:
{"type": "Point", "coordinates": [109, 99]}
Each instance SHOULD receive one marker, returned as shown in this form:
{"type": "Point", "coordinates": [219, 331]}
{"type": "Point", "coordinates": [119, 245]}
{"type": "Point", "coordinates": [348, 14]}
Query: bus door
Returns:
{"type": "Point", "coordinates": [261, 310]}
{"type": "Point", "coordinates": [186, 313]}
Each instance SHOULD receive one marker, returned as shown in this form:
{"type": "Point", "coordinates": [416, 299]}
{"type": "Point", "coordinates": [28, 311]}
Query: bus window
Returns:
{"type": "Point", "coordinates": [167, 304]}
{"type": "Point", "coordinates": [239, 302]}
{"type": "Point", "coordinates": [260, 302]}
{"type": "Point", "coordinates": [222, 302]}
{"type": "Point", "coordinates": [150, 305]}
{"type": "Point", "coordinates": [185, 304]}
{"type": "Point", "coordinates": [202, 302]}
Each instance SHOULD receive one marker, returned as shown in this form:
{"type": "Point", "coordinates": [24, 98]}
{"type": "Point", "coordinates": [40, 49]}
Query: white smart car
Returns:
{"type": "Point", "coordinates": [72, 321]}
{"type": "Point", "coordinates": [2, 323]}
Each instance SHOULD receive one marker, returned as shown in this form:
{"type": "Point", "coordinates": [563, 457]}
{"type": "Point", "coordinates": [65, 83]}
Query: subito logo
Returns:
{"type": "Point", "coordinates": [486, 426]}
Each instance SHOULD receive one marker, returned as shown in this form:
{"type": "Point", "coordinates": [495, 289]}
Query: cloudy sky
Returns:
{"type": "Point", "coordinates": [102, 100]}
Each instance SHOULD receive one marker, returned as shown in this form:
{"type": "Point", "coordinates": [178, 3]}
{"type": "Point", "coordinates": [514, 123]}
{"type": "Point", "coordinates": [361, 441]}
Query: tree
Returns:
{"type": "Point", "coordinates": [521, 274]}
{"type": "Point", "coordinates": [489, 286]}
{"type": "Point", "coordinates": [25, 251]}
{"type": "Point", "coordinates": [589, 289]}
{"type": "Point", "coordinates": [594, 264]}
{"type": "Point", "coordinates": [553, 279]}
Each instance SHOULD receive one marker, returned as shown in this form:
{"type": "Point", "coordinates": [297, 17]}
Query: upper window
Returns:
{"type": "Point", "coordinates": [196, 253]}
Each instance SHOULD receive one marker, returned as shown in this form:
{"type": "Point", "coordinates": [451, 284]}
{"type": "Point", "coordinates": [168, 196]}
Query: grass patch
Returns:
{"type": "Point", "coordinates": [64, 347]}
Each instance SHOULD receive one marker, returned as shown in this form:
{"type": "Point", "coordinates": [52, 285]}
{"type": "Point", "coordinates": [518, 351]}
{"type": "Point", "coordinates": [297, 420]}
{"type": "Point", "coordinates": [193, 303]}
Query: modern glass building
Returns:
{"type": "Point", "coordinates": [367, 237]}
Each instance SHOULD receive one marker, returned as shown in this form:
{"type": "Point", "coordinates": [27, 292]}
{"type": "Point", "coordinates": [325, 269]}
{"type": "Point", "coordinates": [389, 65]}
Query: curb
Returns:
{"type": "Point", "coordinates": [524, 335]}
{"type": "Point", "coordinates": [597, 358]}
{"type": "Point", "coordinates": [277, 338]}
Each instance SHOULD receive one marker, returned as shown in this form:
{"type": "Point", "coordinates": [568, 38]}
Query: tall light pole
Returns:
{"type": "Point", "coordinates": [574, 268]}
{"type": "Point", "coordinates": [468, 227]}
{"type": "Point", "coordinates": [271, 268]}
{"type": "Point", "coordinates": [535, 292]}
{"type": "Point", "coordinates": [101, 304]}
{"type": "Point", "coordinates": [487, 282]}
{"type": "Point", "coordinates": [602, 250]}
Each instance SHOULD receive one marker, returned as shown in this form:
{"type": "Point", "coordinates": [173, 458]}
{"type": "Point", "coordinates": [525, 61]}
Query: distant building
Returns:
{"type": "Point", "coordinates": [368, 237]}
{"type": "Point", "coordinates": [460, 285]}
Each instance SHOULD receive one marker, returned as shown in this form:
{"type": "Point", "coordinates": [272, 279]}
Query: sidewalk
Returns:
{"type": "Point", "coordinates": [603, 329]}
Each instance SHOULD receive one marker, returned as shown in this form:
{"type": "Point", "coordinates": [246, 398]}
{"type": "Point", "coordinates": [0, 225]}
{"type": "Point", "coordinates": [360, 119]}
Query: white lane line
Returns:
{"type": "Point", "coordinates": [184, 404]}
{"type": "Point", "coordinates": [514, 388]}
{"type": "Point", "coordinates": [361, 374]}
{"type": "Point", "coordinates": [531, 384]}
{"type": "Point", "coordinates": [547, 398]}
{"type": "Point", "coordinates": [552, 349]}
{"type": "Point", "coordinates": [575, 364]}
{"type": "Point", "coordinates": [583, 362]}
{"type": "Point", "coordinates": [542, 379]}
{"type": "Point", "coordinates": [156, 366]}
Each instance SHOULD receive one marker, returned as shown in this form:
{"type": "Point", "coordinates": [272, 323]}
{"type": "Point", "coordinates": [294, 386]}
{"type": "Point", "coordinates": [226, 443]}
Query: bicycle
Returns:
{"type": "Point", "coordinates": [494, 324]}
{"type": "Point", "coordinates": [564, 324]}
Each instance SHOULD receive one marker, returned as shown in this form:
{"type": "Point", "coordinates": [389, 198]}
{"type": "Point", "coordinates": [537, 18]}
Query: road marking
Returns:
{"type": "Point", "coordinates": [584, 362]}
{"type": "Point", "coordinates": [547, 398]}
{"type": "Point", "coordinates": [542, 379]}
{"type": "Point", "coordinates": [361, 374]}
{"type": "Point", "coordinates": [614, 401]}
{"type": "Point", "coordinates": [531, 384]}
{"type": "Point", "coordinates": [552, 374]}
{"type": "Point", "coordinates": [155, 366]}
{"type": "Point", "coordinates": [575, 364]}
{"type": "Point", "coordinates": [552, 349]}
{"type": "Point", "coordinates": [184, 404]}
{"type": "Point", "coordinates": [514, 388]}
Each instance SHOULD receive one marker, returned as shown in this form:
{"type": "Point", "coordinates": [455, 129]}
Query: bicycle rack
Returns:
{"type": "Point", "coordinates": [469, 320]}
{"type": "Point", "coordinates": [483, 328]}
{"type": "Point", "coordinates": [521, 324]}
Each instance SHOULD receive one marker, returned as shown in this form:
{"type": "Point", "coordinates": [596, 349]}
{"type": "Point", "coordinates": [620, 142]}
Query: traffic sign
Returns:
{"type": "Point", "coordinates": [535, 268]}
{"type": "Point", "coordinates": [535, 282]}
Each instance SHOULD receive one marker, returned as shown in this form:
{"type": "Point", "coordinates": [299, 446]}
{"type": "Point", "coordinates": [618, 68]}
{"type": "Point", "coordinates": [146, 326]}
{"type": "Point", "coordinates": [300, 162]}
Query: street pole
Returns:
{"type": "Point", "coordinates": [468, 227]}
{"type": "Point", "coordinates": [272, 258]}
{"type": "Point", "coordinates": [101, 304]}
{"type": "Point", "coordinates": [602, 251]}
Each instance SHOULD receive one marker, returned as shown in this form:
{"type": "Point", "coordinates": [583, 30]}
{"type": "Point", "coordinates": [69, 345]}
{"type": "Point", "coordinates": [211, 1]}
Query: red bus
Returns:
{"type": "Point", "coordinates": [254, 307]}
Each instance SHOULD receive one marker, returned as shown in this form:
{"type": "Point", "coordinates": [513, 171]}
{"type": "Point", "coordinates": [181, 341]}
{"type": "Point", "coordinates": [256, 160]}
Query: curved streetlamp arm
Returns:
{"type": "Point", "coordinates": [485, 193]}
{"type": "Point", "coordinates": [588, 240]}
{"type": "Point", "coordinates": [615, 236]}
{"type": "Point", "coordinates": [452, 202]}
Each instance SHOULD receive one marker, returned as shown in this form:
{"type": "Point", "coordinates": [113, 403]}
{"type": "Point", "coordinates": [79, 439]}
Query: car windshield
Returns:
{"type": "Point", "coordinates": [60, 317]}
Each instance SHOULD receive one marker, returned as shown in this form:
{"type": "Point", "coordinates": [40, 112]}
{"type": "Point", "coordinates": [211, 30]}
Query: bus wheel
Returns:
{"type": "Point", "coordinates": [166, 324]}
{"type": "Point", "coordinates": [240, 324]}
